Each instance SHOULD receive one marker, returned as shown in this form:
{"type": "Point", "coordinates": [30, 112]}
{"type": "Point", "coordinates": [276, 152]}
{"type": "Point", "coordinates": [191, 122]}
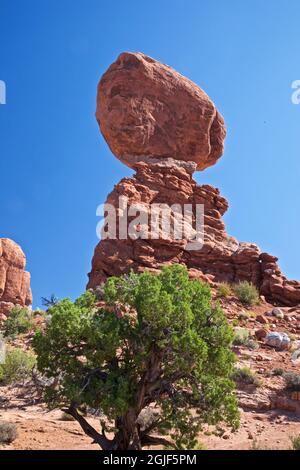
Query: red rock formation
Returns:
{"type": "Point", "coordinates": [145, 108]}
{"type": "Point", "coordinates": [222, 257]}
{"type": "Point", "coordinates": [14, 280]}
{"type": "Point", "coordinates": [165, 127]}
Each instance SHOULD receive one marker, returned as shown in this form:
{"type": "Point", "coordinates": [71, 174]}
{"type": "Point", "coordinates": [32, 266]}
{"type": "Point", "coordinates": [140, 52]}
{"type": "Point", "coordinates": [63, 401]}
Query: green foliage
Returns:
{"type": "Point", "coordinates": [295, 440]}
{"type": "Point", "coordinates": [252, 314]}
{"type": "Point", "coordinates": [17, 366]}
{"type": "Point", "coordinates": [292, 380]}
{"type": "Point", "coordinates": [20, 321]}
{"type": "Point", "coordinates": [8, 432]}
{"type": "Point", "coordinates": [246, 293]}
{"type": "Point", "coordinates": [224, 290]}
{"type": "Point", "coordinates": [244, 316]}
{"type": "Point", "coordinates": [256, 445]}
{"type": "Point", "coordinates": [252, 344]}
{"type": "Point", "coordinates": [159, 342]}
{"type": "Point", "coordinates": [199, 446]}
{"type": "Point", "coordinates": [245, 376]}
{"type": "Point", "coordinates": [278, 372]}
{"type": "Point", "coordinates": [241, 336]}
{"type": "Point", "coordinates": [65, 417]}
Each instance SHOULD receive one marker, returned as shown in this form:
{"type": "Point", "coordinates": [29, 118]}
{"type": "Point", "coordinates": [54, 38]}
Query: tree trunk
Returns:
{"type": "Point", "coordinates": [128, 435]}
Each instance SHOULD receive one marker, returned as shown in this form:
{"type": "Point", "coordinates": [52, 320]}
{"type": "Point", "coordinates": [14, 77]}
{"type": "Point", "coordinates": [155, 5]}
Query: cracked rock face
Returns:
{"type": "Point", "coordinates": [147, 109]}
{"type": "Point", "coordinates": [221, 258]}
{"type": "Point", "coordinates": [14, 280]}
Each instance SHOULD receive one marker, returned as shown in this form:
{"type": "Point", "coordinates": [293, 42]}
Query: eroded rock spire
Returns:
{"type": "Point", "coordinates": [165, 127]}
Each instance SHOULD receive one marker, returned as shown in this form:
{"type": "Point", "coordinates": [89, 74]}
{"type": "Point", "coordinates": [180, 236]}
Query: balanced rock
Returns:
{"type": "Point", "coordinates": [145, 108]}
{"type": "Point", "coordinates": [166, 127]}
{"type": "Point", "coordinates": [14, 280]}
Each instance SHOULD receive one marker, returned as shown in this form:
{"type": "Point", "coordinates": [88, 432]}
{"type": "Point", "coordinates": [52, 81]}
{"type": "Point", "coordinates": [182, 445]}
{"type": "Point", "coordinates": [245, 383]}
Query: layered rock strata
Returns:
{"type": "Point", "coordinates": [221, 258]}
{"type": "Point", "coordinates": [14, 280]}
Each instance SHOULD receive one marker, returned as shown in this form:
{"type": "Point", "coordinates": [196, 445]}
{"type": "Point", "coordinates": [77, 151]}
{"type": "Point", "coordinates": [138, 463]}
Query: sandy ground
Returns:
{"type": "Point", "coordinates": [39, 429]}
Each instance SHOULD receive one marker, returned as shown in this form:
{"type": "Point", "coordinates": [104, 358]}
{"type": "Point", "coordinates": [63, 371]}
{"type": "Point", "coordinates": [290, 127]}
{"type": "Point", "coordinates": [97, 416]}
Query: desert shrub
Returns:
{"type": "Point", "coordinates": [243, 316]}
{"type": "Point", "coordinates": [158, 342]}
{"type": "Point", "coordinates": [199, 446]}
{"type": "Point", "coordinates": [20, 321]}
{"type": "Point", "coordinates": [258, 446]}
{"type": "Point", "coordinates": [8, 432]}
{"type": "Point", "coordinates": [66, 417]}
{"type": "Point", "coordinates": [252, 344]}
{"type": "Point", "coordinates": [278, 372]}
{"type": "Point", "coordinates": [252, 314]}
{"type": "Point", "coordinates": [246, 293]}
{"type": "Point", "coordinates": [295, 440]}
{"type": "Point", "coordinates": [17, 366]}
{"type": "Point", "coordinates": [224, 289]}
{"type": "Point", "coordinates": [245, 376]}
{"type": "Point", "coordinates": [292, 380]}
{"type": "Point", "coordinates": [241, 336]}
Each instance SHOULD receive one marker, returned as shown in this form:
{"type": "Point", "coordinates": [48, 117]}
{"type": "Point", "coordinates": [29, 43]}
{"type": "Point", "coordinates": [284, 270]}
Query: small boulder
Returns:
{"type": "Point", "coordinates": [278, 340]}
{"type": "Point", "coordinates": [262, 319]}
{"type": "Point", "coordinates": [278, 313]}
{"type": "Point", "coordinates": [295, 396]}
{"type": "Point", "coordinates": [296, 357]}
{"type": "Point", "coordinates": [261, 334]}
{"type": "Point", "coordinates": [295, 345]}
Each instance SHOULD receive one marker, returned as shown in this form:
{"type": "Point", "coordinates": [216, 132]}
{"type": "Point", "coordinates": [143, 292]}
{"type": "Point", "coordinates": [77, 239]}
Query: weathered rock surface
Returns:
{"type": "Point", "coordinates": [145, 108]}
{"type": "Point", "coordinates": [14, 280]}
{"type": "Point", "coordinates": [222, 257]}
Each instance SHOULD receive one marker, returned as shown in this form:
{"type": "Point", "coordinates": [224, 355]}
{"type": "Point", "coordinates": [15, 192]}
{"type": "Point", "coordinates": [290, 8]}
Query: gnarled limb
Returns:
{"type": "Point", "coordinates": [147, 440]}
{"type": "Point", "coordinates": [100, 439]}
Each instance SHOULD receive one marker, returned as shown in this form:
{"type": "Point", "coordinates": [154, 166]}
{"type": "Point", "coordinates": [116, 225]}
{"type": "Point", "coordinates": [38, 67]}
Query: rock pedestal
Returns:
{"type": "Point", "coordinates": [221, 258]}
{"type": "Point", "coordinates": [14, 280]}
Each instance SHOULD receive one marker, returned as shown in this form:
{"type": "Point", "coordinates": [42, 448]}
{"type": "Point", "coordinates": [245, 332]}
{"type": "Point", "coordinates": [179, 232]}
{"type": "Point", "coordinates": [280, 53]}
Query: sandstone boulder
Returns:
{"type": "Point", "coordinates": [147, 109]}
{"type": "Point", "coordinates": [261, 334]}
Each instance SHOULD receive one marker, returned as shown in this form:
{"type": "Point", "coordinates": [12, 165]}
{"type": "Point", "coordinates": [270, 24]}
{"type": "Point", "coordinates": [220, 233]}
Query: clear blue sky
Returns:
{"type": "Point", "coordinates": [55, 168]}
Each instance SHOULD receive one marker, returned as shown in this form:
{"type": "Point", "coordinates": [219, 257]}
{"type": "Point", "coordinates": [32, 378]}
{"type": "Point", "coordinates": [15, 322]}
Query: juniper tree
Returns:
{"type": "Point", "coordinates": [154, 358]}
